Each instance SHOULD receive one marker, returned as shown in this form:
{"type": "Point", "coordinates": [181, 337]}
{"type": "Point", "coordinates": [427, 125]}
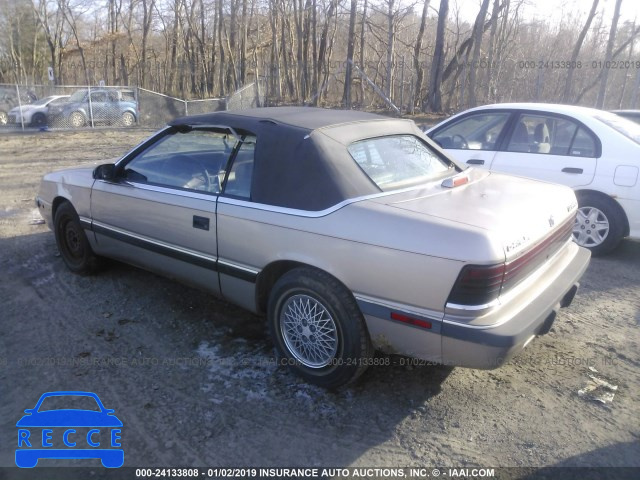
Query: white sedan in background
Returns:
{"type": "Point", "coordinates": [597, 153]}
{"type": "Point", "coordinates": [35, 114]}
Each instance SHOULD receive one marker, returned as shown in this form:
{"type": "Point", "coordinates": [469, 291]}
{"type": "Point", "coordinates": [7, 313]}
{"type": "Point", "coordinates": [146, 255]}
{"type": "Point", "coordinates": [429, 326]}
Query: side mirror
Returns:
{"type": "Point", "coordinates": [105, 172]}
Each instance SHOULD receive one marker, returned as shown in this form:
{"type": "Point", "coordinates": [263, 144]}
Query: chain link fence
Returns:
{"type": "Point", "coordinates": [78, 106]}
{"type": "Point", "coordinates": [249, 96]}
{"type": "Point", "coordinates": [68, 106]}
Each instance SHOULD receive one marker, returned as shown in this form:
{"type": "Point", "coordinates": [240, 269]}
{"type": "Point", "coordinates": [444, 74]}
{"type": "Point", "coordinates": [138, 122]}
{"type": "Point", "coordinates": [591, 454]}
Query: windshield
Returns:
{"type": "Point", "coordinates": [397, 161]}
{"type": "Point", "coordinates": [626, 127]}
{"type": "Point", "coordinates": [78, 96]}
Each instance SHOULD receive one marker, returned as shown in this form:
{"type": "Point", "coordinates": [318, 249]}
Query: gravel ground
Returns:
{"type": "Point", "coordinates": [194, 381]}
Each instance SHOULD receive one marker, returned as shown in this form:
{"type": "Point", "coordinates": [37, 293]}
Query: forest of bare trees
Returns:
{"type": "Point", "coordinates": [408, 55]}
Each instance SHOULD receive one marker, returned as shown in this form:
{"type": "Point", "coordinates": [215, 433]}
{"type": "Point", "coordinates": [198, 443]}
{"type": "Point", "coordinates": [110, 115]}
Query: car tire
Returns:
{"type": "Point", "coordinates": [72, 242]}
{"type": "Point", "coordinates": [306, 303]}
{"type": "Point", "coordinates": [4, 118]}
{"type": "Point", "coordinates": [77, 120]}
{"type": "Point", "coordinates": [38, 120]}
{"type": "Point", "coordinates": [600, 223]}
{"type": "Point", "coordinates": [127, 119]}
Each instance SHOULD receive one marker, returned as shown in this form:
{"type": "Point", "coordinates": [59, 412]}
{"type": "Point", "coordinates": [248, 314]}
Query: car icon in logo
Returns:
{"type": "Point", "coordinates": [71, 425]}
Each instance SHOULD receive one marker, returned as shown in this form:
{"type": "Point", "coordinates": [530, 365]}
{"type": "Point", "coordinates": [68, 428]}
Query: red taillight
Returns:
{"type": "Point", "coordinates": [480, 284]}
{"type": "Point", "coordinates": [477, 285]}
{"type": "Point", "coordinates": [417, 322]}
{"type": "Point", "coordinates": [519, 268]}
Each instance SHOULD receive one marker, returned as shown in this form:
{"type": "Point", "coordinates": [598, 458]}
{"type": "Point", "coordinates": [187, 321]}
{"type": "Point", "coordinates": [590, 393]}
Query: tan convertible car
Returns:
{"type": "Point", "coordinates": [349, 231]}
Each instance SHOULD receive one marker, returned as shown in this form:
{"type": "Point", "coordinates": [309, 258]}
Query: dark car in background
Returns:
{"type": "Point", "coordinates": [106, 106]}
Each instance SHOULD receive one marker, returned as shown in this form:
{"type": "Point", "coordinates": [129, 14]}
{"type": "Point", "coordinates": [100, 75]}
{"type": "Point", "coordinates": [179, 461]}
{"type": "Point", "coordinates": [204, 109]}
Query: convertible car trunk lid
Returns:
{"type": "Point", "coordinates": [486, 201]}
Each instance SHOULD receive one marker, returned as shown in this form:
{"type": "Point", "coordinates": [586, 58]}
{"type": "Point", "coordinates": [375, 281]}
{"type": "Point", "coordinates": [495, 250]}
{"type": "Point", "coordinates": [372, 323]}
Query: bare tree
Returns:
{"type": "Point", "coordinates": [52, 24]}
{"type": "Point", "coordinates": [566, 95]}
{"type": "Point", "coordinates": [417, 49]}
{"type": "Point", "coordinates": [492, 44]}
{"type": "Point", "coordinates": [70, 16]}
{"type": "Point", "coordinates": [478, 30]}
{"type": "Point", "coordinates": [147, 19]}
{"type": "Point", "coordinates": [346, 97]}
{"type": "Point", "coordinates": [434, 97]}
{"type": "Point", "coordinates": [608, 55]}
{"type": "Point", "coordinates": [361, 55]}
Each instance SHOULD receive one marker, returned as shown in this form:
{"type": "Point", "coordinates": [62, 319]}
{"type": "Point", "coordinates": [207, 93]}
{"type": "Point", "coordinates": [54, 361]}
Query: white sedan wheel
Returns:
{"type": "Point", "coordinates": [591, 227]}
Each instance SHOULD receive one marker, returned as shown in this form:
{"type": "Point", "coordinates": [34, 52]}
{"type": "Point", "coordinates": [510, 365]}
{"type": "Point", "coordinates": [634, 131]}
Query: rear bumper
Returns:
{"type": "Point", "coordinates": [487, 347]}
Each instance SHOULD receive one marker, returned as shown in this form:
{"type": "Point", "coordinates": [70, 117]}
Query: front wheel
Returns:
{"type": "Point", "coordinates": [318, 329]}
{"type": "Point", "coordinates": [72, 241]}
{"type": "Point", "coordinates": [599, 225]}
{"type": "Point", "coordinates": [4, 118]}
{"type": "Point", "coordinates": [38, 120]}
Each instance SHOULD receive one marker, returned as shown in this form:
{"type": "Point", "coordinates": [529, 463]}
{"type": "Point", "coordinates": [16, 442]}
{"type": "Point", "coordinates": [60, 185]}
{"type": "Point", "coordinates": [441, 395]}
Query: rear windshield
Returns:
{"type": "Point", "coordinates": [397, 161]}
{"type": "Point", "coordinates": [625, 126]}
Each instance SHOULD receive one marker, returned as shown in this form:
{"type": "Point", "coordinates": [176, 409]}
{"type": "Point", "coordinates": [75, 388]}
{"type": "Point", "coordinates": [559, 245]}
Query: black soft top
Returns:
{"type": "Point", "coordinates": [301, 158]}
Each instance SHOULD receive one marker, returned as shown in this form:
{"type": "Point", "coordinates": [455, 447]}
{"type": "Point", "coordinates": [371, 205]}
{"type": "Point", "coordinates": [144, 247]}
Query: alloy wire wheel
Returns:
{"type": "Point", "coordinates": [591, 227]}
{"type": "Point", "coordinates": [317, 328]}
{"type": "Point", "coordinates": [308, 331]}
{"type": "Point", "coordinates": [4, 118]}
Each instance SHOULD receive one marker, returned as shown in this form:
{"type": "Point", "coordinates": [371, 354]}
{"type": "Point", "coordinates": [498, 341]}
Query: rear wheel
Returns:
{"type": "Point", "coordinates": [318, 329]}
{"type": "Point", "coordinates": [127, 119]}
{"type": "Point", "coordinates": [4, 118]}
{"type": "Point", "coordinates": [72, 241]}
{"type": "Point", "coordinates": [599, 225]}
{"type": "Point", "coordinates": [77, 120]}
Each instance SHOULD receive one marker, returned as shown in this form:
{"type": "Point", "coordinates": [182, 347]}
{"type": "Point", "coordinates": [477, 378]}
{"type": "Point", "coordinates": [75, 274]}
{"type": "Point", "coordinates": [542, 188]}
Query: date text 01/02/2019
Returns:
{"type": "Point", "coordinates": [579, 64]}
{"type": "Point", "coordinates": [314, 472]}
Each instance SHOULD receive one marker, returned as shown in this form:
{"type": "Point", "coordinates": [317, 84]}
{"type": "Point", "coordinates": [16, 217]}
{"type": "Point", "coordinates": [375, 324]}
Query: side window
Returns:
{"type": "Point", "coordinates": [193, 160]}
{"type": "Point", "coordinates": [552, 135]}
{"type": "Point", "coordinates": [584, 145]}
{"type": "Point", "coordinates": [238, 182]}
{"type": "Point", "coordinates": [476, 132]}
{"type": "Point", "coordinates": [98, 97]}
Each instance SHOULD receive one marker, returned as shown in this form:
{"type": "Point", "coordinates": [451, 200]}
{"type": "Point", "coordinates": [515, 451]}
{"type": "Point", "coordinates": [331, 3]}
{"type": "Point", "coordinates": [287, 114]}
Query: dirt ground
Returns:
{"type": "Point", "coordinates": [194, 381]}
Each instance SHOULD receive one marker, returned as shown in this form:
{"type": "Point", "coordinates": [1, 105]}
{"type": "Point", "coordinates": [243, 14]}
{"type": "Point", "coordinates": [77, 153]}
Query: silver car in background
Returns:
{"type": "Point", "coordinates": [36, 114]}
{"type": "Point", "coordinates": [349, 231]}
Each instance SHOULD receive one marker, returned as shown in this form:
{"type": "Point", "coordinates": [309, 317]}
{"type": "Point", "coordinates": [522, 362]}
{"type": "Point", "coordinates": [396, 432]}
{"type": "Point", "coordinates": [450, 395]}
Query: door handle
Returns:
{"type": "Point", "coordinates": [572, 170]}
{"type": "Point", "coordinates": [475, 161]}
{"type": "Point", "coordinates": [201, 222]}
